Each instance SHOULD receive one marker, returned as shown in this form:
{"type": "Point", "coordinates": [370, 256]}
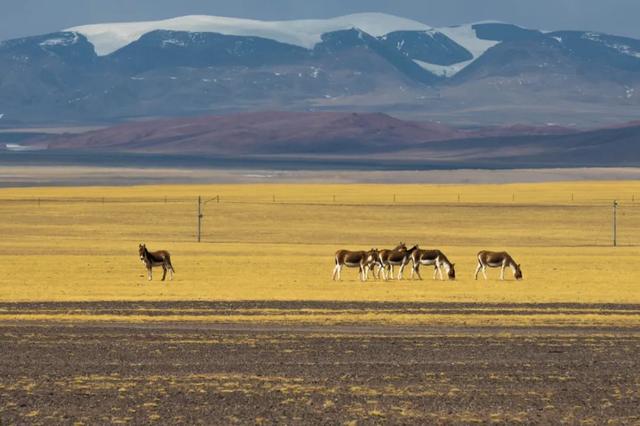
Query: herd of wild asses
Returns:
{"type": "Point", "coordinates": [401, 256]}
{"type": "Point", "coordinates": [367, 261]}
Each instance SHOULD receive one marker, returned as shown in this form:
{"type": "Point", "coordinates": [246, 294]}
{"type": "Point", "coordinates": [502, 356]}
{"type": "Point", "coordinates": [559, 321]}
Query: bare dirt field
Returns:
{"type": "Point", "coordinates": [353, 373]}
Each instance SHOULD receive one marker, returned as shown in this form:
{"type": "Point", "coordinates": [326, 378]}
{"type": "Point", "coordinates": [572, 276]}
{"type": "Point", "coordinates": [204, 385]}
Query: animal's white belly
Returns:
{"type": "Point", "coordinates": [495, 265]}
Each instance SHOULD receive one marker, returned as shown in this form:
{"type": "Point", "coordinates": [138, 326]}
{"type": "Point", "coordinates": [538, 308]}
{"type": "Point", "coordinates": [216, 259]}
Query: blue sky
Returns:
{"type": "Point", "coordinates": [28, 17]}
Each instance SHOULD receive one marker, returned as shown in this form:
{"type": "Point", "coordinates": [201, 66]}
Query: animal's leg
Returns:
{"type": "Point", "coordinates": [164, 272]}
{"type": "Point", "coordinates": [149, 273]}
{"type": "Point", "coordinates": [340, 272]}
{"type": "Point", "coordinates": [439, 269]}
{"type": "Point", "coordinates": [478, 270]}
{"type": "Point", "coordinates": [484, 272]}
{"type": "Point", "coordinates": [417, 266]}
{"type": "Point", "coordinates": [391, 270]}
{"type": "Point", "coordinates": [402, 265]}
{"type": "Point", "coordinates": [335, 272]}
{"type": "Point", "coordinates": [502, 273]}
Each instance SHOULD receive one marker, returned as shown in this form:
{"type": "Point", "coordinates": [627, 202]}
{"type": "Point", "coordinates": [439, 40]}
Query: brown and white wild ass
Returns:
{"type": "Point", "coordinates": [156, 258]}
{"type": "Point", "coordinates": [435, 258]}
{"type": "Point", "coordinates": [501, 260]}
{"type": "Point", "coordinates": [399, 256]}
{"type": "Point", "coordinates": [354, 259]}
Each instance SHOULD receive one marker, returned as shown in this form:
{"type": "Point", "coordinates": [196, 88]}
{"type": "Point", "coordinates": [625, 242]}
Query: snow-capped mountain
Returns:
{"type": "Point", "coordinates": [307, 34]}
{"type": "Point", "coordinates": [110, 37]}
{"type": "Point", "coordinates": [480, 73]}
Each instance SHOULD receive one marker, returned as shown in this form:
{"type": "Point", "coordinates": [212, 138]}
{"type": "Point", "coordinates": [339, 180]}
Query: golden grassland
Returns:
{"type": "Point", "coordinates": [574, 319]}
{"type": "Point", "coordinates": [66, 244]}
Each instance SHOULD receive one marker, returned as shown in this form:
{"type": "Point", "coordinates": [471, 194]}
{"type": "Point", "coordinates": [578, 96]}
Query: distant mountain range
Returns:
{"type": "Point", "coordinates": [477, 74]}
{"type": "Point", "coordinates": [327, 137]}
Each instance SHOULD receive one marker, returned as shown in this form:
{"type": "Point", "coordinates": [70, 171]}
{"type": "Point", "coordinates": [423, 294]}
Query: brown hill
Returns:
{"type": "Point", "coordinates": [277, 133]}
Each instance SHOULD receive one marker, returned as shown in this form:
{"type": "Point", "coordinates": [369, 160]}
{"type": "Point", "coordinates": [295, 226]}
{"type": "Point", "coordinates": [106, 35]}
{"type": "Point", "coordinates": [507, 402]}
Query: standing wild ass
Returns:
{"type": "Point", "coordinates": [399, 256]}
{"type": "Point", "coordinates": [435, 258]}
{"type": "Point", "coordinates": [156, 258]}
{"type": "Point", "coordinates": [497, 260]}
{"type": "Point", "coordinates": [355, 259]}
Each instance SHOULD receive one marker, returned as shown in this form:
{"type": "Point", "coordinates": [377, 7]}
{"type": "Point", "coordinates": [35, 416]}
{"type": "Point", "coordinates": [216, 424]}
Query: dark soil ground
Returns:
{"type": "Point", "coordinates": [172, 373]}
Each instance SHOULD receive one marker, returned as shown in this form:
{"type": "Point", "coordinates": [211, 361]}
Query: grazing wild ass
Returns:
{"type": "Point", "coordinates": [497, 260]}
{"type": "Point", "coordinates": [435, 258]}
{"type": "Point", "coordinates": [399, 256]}
{"type": "Point", "coordinates": [355, 259]}
{"type": "Point", "coordinates": [156, 258]}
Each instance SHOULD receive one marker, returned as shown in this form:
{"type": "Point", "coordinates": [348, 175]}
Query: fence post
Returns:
{"type": "Point", "coordinates": [615, 224]}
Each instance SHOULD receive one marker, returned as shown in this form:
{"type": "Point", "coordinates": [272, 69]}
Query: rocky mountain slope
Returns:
{"type": "Point", "coordinates": [358, 138]}
{"type": "Point", "coordinates": [485, 73]}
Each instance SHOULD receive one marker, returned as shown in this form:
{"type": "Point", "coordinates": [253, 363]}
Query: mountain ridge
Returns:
{"type": "Point", "coordinates": [476, 74]}
{"type": "Point", "coordinates": [357, 137]}
{"type": "Point", "coordinates": [280, 132]}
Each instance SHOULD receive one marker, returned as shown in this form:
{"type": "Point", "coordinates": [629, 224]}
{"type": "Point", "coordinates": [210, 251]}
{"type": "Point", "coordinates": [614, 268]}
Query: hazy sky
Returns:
{"type": "Point", "coordinates": [27, 17]}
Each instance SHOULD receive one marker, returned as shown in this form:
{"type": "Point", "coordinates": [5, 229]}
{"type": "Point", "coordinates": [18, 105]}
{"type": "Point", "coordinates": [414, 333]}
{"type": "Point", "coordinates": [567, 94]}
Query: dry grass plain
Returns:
{"type": "Point", "coordinates": [253, 330]}
{"type": "Point", "coordinates": [276, 243]}
{"type": "Point", "coordinates": [65, 244]}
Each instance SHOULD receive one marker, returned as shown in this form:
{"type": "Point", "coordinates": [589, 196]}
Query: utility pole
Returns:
{"type": "Point", "coordinates": [199, 216]}
{"type": "Point", "coordinates": [615, 224]}
{"type": "Point", "coordinates": [200, 213]}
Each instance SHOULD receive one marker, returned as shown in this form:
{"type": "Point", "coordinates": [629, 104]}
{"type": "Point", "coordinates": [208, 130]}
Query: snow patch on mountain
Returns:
{"type": "Point", "coordinates": [466, 37]}
{"type": "Point", "coordinates": [625, 49]}
{"type": "Point", "coordinates": [445, 71]}
{"type": "Point", "coordinates": [67, 39]}
{"type": "Point", "coordinates": [173, 42]}
{"type": "Point", "coordinates": [107, 38]}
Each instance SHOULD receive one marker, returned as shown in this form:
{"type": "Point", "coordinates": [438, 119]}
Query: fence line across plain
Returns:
{"type": "Point", "coordinates": [619, 208]}
{"type": "Point", "coordinates": [314, 202]}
